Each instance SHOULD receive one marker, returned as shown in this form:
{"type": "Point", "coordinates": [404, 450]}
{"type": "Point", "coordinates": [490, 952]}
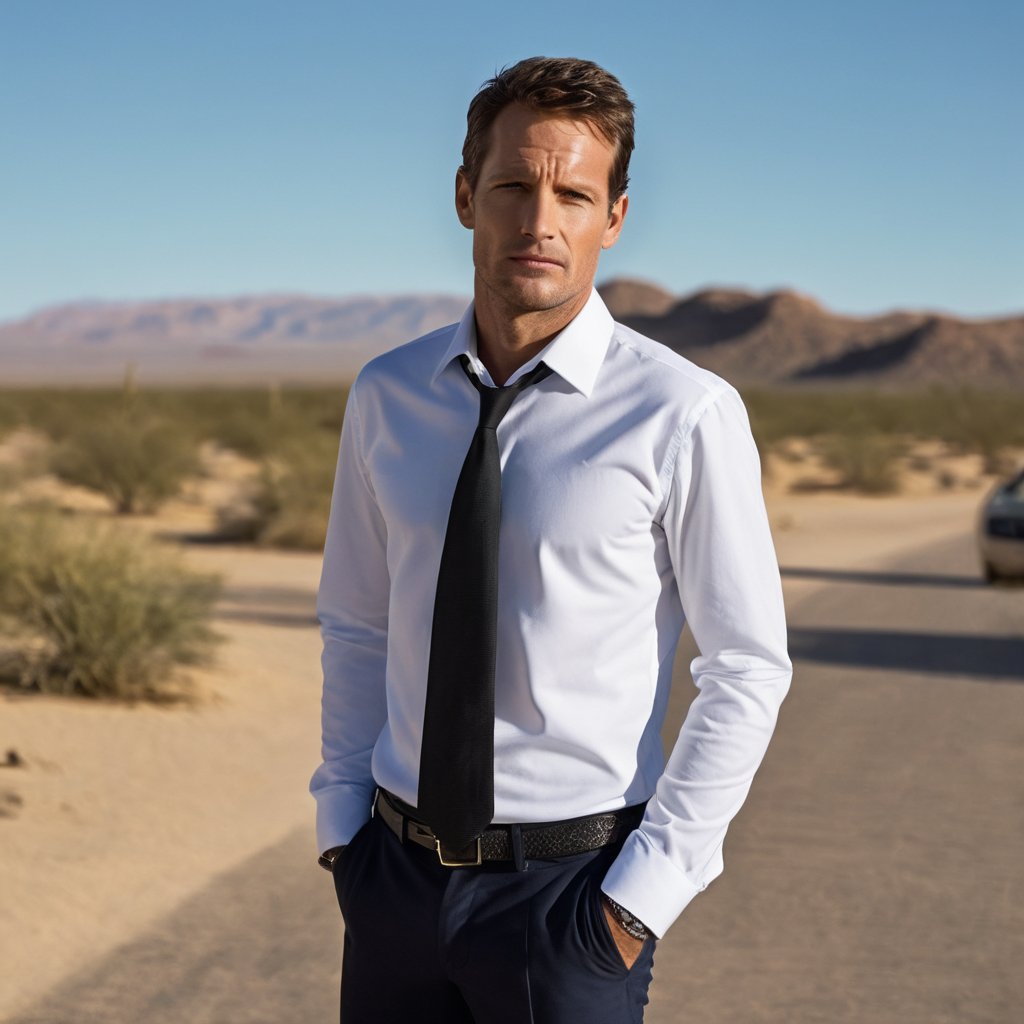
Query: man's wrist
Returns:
{"type": "Point", "coordinates": [328, 857]}
{"type": "Point", "coordinates": [630, 923]}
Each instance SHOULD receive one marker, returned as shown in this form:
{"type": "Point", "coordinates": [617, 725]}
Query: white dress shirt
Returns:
{"type": "Point", "coordinates": [631, 503]}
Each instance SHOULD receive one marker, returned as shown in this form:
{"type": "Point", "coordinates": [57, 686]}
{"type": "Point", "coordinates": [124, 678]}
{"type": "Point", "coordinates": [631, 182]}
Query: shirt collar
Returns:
{"type": "Point", "coordinates": [575, 353]}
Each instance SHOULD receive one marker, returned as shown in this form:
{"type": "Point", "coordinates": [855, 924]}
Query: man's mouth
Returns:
{"type": "Point", "coordinates": [534, 260]}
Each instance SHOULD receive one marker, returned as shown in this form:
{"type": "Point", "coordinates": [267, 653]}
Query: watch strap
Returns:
{"type": "Point", "coordinates": [631, 924]}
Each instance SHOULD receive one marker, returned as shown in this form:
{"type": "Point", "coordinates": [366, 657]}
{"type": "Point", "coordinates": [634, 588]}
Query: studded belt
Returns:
{"type": "Point", "coordinates": [546, 839]}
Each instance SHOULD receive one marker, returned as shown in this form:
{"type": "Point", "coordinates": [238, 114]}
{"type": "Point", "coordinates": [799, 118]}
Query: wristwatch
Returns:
{"type": "Point", "coordinates": [631, 924]}
{"type": "Point", "coordinates": [328, 857]}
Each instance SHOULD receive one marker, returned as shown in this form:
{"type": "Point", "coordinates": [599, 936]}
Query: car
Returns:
{"type": "Point", "coordinates": [1001, 530]}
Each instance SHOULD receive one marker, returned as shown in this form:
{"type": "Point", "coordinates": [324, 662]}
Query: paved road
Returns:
{"type": "Point", "coordinates": [874, 876]}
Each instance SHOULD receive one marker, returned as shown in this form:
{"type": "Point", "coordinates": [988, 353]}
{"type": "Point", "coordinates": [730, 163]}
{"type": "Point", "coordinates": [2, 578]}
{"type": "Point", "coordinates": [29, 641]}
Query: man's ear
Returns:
{"type": "Point", "coordinates": [464, 199]}
{"type": "Point", "coordinates": [616, 216]}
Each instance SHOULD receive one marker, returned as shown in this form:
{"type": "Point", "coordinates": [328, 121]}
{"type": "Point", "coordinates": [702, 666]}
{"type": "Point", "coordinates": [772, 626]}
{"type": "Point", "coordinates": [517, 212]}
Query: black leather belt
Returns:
{"type": "Point", "coordinates": [498, 842]}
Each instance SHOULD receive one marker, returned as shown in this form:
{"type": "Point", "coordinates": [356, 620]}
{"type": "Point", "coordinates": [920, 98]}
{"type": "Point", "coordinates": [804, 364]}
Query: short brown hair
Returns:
{"type": "Point", "coordinates": [554, 85]}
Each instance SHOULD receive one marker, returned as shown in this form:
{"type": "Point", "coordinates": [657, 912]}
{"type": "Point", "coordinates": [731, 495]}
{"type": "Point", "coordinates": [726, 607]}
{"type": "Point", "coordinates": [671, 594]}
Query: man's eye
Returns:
{"type": "Point", "coordinates": [511, 185]}
{"type": "Point", "coordinates": [577, 196]}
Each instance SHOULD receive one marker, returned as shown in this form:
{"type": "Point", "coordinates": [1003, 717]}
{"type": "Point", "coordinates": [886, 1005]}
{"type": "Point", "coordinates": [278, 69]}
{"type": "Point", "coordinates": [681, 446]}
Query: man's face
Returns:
{"type": "Point", "coordinates": [539, 212]}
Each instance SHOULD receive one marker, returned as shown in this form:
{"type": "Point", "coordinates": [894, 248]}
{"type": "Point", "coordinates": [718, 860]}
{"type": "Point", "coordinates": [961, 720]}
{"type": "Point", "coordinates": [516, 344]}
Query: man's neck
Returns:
{"type": "Point", "coordinates": [506, 339]}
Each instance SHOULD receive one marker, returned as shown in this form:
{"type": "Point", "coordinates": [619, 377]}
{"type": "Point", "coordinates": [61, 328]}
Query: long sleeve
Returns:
{"type": "Point", "coordinates": [353, 611]}
{"type": "Point", "coordinates": [728, 579]}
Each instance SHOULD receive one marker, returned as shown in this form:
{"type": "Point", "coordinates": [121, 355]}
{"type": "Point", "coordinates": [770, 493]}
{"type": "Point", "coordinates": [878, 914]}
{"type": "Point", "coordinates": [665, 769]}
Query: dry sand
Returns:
{"type": "Point", "coordinates": [117, 813]}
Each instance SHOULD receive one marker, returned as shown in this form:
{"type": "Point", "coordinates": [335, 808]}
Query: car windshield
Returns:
{"type": "Point", "coordinates": [1015, 489]}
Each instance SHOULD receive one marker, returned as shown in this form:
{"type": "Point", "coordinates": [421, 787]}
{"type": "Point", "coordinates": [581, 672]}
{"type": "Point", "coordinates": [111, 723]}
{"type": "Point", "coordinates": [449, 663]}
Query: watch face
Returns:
{"type": "Point", "coordinates": [630, 923]}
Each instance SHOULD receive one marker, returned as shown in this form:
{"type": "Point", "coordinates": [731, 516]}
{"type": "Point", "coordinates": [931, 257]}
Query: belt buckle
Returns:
{"type": "Point", "coordinates": [443, 852]}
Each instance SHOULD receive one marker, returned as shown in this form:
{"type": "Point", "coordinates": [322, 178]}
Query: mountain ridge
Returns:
{"type": "Point", "coordinates": [781, 337]}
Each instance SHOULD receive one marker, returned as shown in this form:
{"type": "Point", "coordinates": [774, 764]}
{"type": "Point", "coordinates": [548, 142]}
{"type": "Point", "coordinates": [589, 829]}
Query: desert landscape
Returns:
{"type": "Point", "coordinates": [216, 215]}
{"type": "Point", "coordinates": [114, 813]}
{"type": "Point", "coordinates": [149, 756]}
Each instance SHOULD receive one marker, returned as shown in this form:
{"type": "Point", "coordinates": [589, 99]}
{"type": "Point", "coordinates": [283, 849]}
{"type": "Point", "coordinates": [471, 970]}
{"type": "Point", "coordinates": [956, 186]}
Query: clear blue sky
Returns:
{"type": "Point", "coordinates": [869, 154]}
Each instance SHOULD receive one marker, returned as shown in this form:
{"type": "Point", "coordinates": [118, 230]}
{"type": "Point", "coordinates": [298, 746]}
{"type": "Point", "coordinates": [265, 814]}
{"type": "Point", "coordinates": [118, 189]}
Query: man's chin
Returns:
{"type": "Point", "coordinates": [534, 296]}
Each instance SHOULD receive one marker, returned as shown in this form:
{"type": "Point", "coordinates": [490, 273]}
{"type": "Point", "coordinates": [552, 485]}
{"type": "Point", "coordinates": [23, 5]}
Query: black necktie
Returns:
{"type": "Point", "coordinates": [456, 784]}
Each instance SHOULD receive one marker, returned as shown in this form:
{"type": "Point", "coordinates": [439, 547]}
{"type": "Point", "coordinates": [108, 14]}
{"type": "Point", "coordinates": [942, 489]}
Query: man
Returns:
{"type": "Point", "coordinates": [528, 505]}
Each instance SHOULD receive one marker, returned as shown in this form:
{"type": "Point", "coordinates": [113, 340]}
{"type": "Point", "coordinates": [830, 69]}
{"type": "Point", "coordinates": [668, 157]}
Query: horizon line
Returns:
{"type": "Point", "coordinates": [6, 321]}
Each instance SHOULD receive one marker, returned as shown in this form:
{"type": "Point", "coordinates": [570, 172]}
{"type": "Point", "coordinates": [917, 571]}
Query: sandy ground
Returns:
{"type": "Point", "coordinates": [113, 814]}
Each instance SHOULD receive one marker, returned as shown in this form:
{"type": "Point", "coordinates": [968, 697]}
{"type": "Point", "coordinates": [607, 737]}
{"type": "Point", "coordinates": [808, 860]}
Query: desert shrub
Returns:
{"type": "Point", "coordinates": [984, 424]}
{"type": "Point", "coordinates": [9, 418]}
{"type": "Point", "coordinates": [287, 505]}
{"type": "Point", "coordinates": [243, 415]}
{"type": "Point", "coordinates": [57, 413]}
{"type": "Point", "coordinates": [274, 424]}
{"type": "Point", "coordinates": [865, 461]}
{"type": "Point", "coordinates": [982, 421]}
{"type": "Point", "coordinates": [250, 434]}
{"type": "Point", "coordinates": [87, 608]}
{"type": "Point", "coordinates": [136, 461]}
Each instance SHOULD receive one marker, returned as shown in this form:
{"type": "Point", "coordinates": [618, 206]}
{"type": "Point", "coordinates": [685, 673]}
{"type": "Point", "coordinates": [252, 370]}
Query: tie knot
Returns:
{"type": "Point", "coordinates": [495, 402]}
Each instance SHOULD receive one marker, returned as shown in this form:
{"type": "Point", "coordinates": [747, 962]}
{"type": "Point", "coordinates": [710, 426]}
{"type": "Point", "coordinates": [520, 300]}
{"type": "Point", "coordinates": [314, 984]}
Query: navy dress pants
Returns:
{"type": "Point", "coordinates": [426, 944]}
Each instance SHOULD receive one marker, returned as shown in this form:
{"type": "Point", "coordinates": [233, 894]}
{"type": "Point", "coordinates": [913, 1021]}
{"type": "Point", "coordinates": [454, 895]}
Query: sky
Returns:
{"type": "Point", "coordinates": [870, 155]}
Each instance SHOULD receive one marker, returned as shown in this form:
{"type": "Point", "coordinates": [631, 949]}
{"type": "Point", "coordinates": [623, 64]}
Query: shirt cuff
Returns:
{"type": "Point", "coordinates": [648, 884]}
{"type": "Point", "coordinates": [341, 812]}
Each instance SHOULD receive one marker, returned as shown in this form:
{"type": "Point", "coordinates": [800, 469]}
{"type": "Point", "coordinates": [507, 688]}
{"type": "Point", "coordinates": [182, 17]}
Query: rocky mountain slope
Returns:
{"type": "Point", "coordinates": [783, 337]}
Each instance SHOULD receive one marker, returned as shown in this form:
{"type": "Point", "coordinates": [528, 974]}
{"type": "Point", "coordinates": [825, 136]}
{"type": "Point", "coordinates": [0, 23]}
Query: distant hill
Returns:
{"type": "Point", "coordinates": [626, 297]}
{"type": "Point", "coordinates": [774, 338]}
{"type": "Point", "coordinates": [783, 337]}
{"type": "Point", "coordinates": [240, 340]}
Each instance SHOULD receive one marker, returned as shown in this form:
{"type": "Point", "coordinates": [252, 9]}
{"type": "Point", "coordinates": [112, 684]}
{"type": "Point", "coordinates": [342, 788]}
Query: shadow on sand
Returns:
{"type": "Point", "coordinates": [891, 579]}
{"type": "Point", "coordinates": [268, 606]}
{"type": "Point", "coordinates": [958, 654]}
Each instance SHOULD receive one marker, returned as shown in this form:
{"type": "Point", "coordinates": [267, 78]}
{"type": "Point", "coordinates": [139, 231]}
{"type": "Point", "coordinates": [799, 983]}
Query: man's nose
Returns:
{"type": "Point", "coordinates": [538, 215]}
